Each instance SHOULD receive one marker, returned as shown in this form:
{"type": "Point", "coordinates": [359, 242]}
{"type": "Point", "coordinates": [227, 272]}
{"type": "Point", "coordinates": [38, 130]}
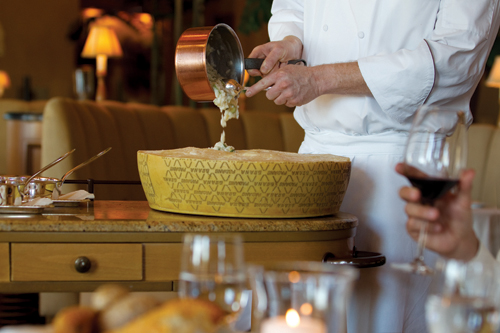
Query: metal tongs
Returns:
{"type": "Point", "coordinates": [57, 190]}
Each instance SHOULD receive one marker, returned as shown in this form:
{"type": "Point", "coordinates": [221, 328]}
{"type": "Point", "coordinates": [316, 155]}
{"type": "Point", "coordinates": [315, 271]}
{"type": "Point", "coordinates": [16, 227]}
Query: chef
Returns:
{"type": "Point", "coordinates": [370, 66]}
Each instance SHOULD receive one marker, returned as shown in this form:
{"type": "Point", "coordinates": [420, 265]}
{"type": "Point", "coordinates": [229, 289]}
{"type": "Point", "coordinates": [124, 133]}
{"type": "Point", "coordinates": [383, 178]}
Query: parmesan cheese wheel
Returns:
{"type": "Point", "coordinates": [244, 183]}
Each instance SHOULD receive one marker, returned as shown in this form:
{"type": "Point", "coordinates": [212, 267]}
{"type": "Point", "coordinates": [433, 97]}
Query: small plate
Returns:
{"type": "Point", "coordinates": [68, 202]}
{"type": "Point", "coordinates": [23, 209]}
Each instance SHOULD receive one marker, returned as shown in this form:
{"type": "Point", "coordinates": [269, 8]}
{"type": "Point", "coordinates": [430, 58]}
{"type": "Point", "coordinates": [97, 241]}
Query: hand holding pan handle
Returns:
{"type": "Point", "coordinates": [255, 63]}
{"type": "Point", "coordinates": [358, 259]}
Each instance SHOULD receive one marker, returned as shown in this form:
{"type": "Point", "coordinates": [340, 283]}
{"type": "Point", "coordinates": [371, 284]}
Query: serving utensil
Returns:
{"type": "Point", "coordinates": [48, 166]}
{"type": "Point", "coordinates": [57, 190]}
{"type": "Point", "coordinates": [234, 85]}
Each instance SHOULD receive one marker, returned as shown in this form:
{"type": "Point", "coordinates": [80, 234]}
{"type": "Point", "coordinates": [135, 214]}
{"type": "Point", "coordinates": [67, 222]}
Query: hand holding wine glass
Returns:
{"type": "Point", "coordinates": [212, 269]}
{"type": "Point", "coordinates": [435, 155]}
{"type": "Point", "coordinates": [450, 231]}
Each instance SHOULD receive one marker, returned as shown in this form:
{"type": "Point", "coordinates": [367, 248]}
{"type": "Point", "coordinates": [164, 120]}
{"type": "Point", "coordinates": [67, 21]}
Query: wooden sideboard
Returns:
{"type": "Point", "coordinates": [126, 242]}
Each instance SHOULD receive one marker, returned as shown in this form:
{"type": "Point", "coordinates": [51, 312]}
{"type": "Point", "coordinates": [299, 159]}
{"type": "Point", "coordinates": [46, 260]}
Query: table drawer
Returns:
{"type": "Point", "coordinates": [56, 262]}
{"type": "Point", "coordinates": [163, 261]}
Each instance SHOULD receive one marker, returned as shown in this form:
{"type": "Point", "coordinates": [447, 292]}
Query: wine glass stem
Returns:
{"type": "Point", "coordinates": [422, 236]}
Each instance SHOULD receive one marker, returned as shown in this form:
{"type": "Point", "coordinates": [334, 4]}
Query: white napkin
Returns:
{"type": "Point", "coordinates": [38, 202]}
{"type": "Point", "coordinates": [77, 195]}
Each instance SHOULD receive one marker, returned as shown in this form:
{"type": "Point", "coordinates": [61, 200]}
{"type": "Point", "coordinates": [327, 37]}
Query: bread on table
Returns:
{"type": "Point", "coordinates": [178, 316]}
{"type": "Point", "coordinates": [76, 319]}
{"type": "Point", "coordinates": [115, 310]}
{"type": "Point", "coordinates": [106, 294]}
{"type": "Point", "coordinates": [126, 309]}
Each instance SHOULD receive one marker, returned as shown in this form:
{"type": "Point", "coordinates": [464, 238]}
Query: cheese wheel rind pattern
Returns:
{"type": "Point", "coordinates": [270, 188]}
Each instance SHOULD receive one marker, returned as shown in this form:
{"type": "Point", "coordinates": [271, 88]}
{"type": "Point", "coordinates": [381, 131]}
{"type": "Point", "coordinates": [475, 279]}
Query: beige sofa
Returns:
{"type": "Point", "coordinates": [13, 105]}
{"type": "Point", "coordinates": [484, 157]}
{"type": "Point", "coordinates": [91, 127]}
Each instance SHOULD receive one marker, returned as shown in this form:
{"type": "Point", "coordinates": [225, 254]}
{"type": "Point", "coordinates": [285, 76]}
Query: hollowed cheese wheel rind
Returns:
{"type": "Point", "coordinates": [245, 183]}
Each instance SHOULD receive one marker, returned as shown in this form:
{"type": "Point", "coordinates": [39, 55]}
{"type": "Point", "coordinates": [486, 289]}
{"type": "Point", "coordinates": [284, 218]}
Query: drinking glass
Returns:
{"type": "Point", "coordinates": [213, 269]}
{"type": "Point", "coordinates": [301, 297]}
{"type": "Point", "coordinates": [463, 298]}
{"type": "Point", "coordinates": [435, 155]}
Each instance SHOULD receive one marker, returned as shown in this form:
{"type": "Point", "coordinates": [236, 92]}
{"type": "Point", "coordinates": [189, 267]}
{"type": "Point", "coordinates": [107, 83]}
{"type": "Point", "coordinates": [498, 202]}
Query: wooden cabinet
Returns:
{"type": "Point", "coordinates": [129, 244]}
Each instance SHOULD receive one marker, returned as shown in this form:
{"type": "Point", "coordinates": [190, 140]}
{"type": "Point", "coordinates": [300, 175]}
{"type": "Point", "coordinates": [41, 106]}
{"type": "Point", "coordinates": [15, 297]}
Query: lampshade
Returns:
{"type": "Point", "coordinates": [102, 40]}
{"type": "Point", "coordinates": [4, 79]}
{"type": "Point", "coordinates": [494, 77]}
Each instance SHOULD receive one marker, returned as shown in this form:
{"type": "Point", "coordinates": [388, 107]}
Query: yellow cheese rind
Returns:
{"type": "Point", "coordinates": [245, 183]}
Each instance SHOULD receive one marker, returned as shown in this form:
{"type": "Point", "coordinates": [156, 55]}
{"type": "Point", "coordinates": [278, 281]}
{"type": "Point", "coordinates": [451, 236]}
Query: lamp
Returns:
{"type": "Point", "coordinates": [493, 80]}
{"type": "Point", "coordinates": [101, 43]}
{"type": "Point", "coordinates": [4, 82]}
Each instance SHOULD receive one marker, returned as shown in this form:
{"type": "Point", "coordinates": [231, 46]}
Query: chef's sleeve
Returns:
{"type": "Point", "coordinates": [287, 19]}
{"type": "Point", "coordinates": [444, 69]}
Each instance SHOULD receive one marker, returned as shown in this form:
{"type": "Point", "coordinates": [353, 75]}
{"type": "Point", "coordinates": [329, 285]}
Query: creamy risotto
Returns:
{"type": "Point", "coordinates": [227, 101]}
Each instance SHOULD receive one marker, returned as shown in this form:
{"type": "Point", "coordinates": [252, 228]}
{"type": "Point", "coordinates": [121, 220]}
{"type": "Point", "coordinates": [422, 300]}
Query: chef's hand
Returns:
{"type": "Point", "coordinates": [276, 53]}
{"type": "Point", "coordinates": [292, 85]}
{"type": "Point", "coordinates": [450, 231]}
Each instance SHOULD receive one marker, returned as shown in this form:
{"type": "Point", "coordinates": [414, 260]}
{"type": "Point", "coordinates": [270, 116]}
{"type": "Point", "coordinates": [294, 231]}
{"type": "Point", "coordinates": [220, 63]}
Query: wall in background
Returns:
{"type": "Point", "coordinates": [36, 45]}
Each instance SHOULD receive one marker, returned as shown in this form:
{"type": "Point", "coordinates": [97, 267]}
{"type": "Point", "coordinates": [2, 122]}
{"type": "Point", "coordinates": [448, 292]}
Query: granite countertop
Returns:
{"type": "Point", "coordinates": [136, 216]}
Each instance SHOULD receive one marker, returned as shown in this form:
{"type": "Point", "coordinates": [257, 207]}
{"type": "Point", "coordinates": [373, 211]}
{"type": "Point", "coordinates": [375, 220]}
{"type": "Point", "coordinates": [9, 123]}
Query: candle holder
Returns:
{"type": "Point", "coordinates": [301, 297]}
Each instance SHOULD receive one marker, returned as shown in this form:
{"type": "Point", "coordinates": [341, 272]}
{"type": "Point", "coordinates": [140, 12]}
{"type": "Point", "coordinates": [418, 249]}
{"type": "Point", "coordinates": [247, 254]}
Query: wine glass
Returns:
{"type": "Point", "coordinates": [463, 298]}
{"type": "Point", "coordinates": [213, 269]}
{"type": "Point", "coordinates": [435, 155]}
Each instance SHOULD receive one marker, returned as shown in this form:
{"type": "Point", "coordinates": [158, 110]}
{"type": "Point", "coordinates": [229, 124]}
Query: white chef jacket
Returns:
{"type": "Point", "coordinates": [410, 52]}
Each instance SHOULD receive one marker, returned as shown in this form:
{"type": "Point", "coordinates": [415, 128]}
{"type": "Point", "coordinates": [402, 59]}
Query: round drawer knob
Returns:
{"type": "Point", "coordinates": [82, 264]}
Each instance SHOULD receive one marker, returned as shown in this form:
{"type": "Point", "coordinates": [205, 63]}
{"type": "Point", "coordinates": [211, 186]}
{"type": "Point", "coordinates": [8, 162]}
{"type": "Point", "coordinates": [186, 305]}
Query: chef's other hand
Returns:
{"type": "Point", "coordinates": [276, 53]}
{"type": "Point", "coordinates": [292, 85]}
{"type": "Point", "coordinates": [450, 231]}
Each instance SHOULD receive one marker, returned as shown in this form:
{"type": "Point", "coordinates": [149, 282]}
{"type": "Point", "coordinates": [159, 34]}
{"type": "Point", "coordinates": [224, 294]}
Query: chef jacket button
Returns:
{"type": "Point", "coordinates": [325, 27]}
{"type": "Point", "coordinates": [361, 34]}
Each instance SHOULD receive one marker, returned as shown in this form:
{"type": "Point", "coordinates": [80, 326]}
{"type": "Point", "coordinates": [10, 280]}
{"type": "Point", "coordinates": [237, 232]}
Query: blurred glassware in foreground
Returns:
{"type": "Point", "coordinates": [464, 298]}
{"type": "Point", "coordinates": [213, 269]}
{"type": "Point", "coordinates": [301, 297]}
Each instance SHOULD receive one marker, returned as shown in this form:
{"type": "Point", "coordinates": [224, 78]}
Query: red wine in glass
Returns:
{"type": "Point", "coordinates": [432, 188]}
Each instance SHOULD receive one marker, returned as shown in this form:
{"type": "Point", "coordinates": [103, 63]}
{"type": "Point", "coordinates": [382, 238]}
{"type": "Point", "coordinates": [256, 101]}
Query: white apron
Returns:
{"type": "Point", "coordinates": [384, 300]}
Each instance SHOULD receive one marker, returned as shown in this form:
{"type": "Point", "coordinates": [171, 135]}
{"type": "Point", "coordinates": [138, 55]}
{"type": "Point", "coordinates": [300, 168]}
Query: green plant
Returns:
{"type": "Point", "coordinates": [495, 50]}
{"type": "Point", "coordinates": [255, 14]}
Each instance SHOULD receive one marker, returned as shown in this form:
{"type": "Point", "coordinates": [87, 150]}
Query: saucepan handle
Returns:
{"type": "Point", "coordinates": [359, 259]}
{"type": "Point", "coordinates": [255, 63]}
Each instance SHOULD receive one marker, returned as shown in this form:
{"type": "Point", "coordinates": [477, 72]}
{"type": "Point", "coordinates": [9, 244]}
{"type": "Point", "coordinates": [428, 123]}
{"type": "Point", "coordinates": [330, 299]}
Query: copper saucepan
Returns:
{"type": "Point", "coordinates": [218, 46]}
